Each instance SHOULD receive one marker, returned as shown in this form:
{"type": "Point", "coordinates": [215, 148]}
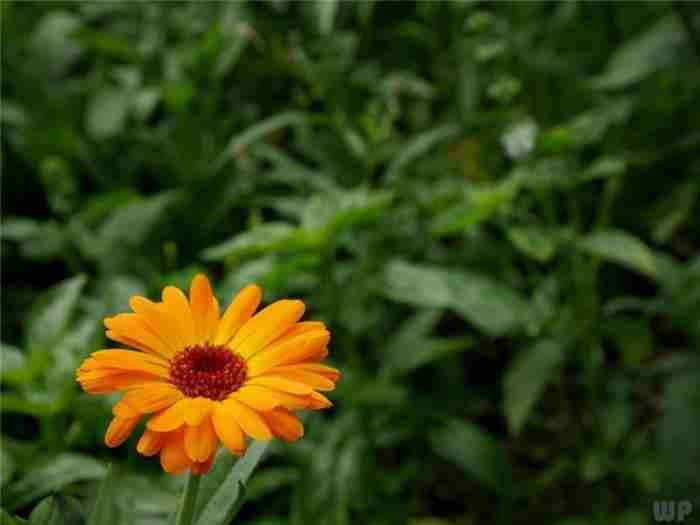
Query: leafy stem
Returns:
{"type": "Point", "coordinates": [185, 514]}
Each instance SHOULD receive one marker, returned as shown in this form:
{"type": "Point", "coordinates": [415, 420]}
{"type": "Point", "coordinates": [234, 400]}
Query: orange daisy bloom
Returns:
{"type": "Point", "coordinates": [201, 378]}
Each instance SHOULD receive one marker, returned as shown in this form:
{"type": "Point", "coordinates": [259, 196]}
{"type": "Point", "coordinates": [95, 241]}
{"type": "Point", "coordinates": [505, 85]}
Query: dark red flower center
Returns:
{"type": "Point", "coordinates": [207, 371]}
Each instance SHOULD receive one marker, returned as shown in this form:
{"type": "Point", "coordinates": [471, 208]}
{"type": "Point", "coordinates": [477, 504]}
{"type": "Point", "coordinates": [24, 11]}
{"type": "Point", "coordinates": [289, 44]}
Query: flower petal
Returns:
{"type": "Point", "coordinates": [250, 421]}
{"type": "Point", "coordinates": [316, 381]}
{"type": "Point", "coordinates": [237, 314]}
{"type": "Point", "coordinates": [284, 424]}
{"type": "Point", "coordinates": [291, 401]}
{"type": "Point", "coordinates": [109, 370]}
{"type": "Point", "coordinates": [173, 457]}
{"type": "Point", "coordinates": [134, 327]}
{"type": "Point", "coordinates": [212, 320]}
{"type": "Point", "coordinates": [288, 351]}
{"type": "Point", "coordinates": [202, 468]}
{"type": "Point", "coordinates": [228, 430]}
{"type": "Point", "coordinates": [150, 442]}
{"type": "Point", "coordinates": [132, 343]}
{"type": "Point", "coordinates": [152, 397]}
{"type": "Point", "coordinates": [299, 328]}
{"type": "Point", "coordinates": [176, 304]}
{"type": "Point", "coordinates": [119, 430]}
{"type": "Point", "coordinates": [280, 382]}
{"type": "Point", "coordinates": [124, 410]}
{"type": "Point", "coordinates": [198, 409]}
{"type": "Point", "coordinates": [127, 360]}
{"type": "Point", "coordinates": [201, 302]}
{"type": "Point", "coordinates": [318, 401]}
{"type": "Point", "coordinates": [266, 325]}
{"type": "Point", "coordinates": [257, 397]}
{"type": "Point", "coordinates": [201, 441]}
{"type": "Point", "coordinates": [326, 371]}
{"type": "Point", "coordinates": [110, 380]}
{"type": "Point", "coordinates": [159, 320]}
{"type": "Point", "coordinates": [171, 418]}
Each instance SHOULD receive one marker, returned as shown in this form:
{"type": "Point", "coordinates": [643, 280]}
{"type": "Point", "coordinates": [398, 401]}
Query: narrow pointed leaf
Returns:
{"type": "Point", "coordinates": [526, 379]}
{"type": "Point", "coordinates": [475, 451]}
{"type": "Point", "coordinates": [220, 506]}
{"type": "Point", "coordinates": [62, 470]}
{"type": "Point", "coordinates": [103, 511]}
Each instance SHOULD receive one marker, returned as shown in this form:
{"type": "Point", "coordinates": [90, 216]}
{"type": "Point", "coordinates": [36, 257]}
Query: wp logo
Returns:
{"type": "Point", "coordinates": [672, 511]}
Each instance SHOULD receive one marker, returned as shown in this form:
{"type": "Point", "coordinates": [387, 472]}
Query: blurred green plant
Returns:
{"type": "Point", "coordinates": [493, 205]}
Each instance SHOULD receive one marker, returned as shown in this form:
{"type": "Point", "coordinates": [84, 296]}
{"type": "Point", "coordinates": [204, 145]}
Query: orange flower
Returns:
{"type": "Point", "coordinates": [201, 378]}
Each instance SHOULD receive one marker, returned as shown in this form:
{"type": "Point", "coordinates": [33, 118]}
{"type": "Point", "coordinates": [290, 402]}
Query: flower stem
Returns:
{"type": "Point", "coordinates": [189, 497]}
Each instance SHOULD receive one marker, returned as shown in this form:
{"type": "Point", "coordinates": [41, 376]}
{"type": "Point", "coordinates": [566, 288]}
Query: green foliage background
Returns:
{"type": "Point", "coordinates": [493, 206]}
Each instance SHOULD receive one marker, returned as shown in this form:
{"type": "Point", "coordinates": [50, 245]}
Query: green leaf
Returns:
{"type": "Point", "coordinates": [526, 379]}
{"type": "Point", "coordinates": [419, 146]}
{"type": "Point", "coordinates": [431, 350]}
{"type": "Point", "coordinates": [49, 243]}
{"type": "Point", "coordinates": [108, 45]}
{"type": "Point", "coordinates": [373, 394]}
{"type": "Point", "coordinates": [468, 92]}
{"type": "Point", "coordinates": [130, 225]}
{"type": "Point", "coordinates": [14, 365]}
{"type": "Point", "coordinates": [639, 57]}
{"type": "Point", "coordinates": [224, 462]}
{"type": "Point", "coordinates": [673, 210]}
{"type": "Point", "coordinates": [103, 512]}
{"type": "Point", "coordinates": [412, 347]}
{"type": "Point", "coordinates": [271, 237]}
{"type": "Point", "coordinates": [59, 471]}
{"type": "Point", "coordinates": [270, 480]}
{"type": "Point", "coordinates": [680, 426]}
{"type": "Point", "coordinates": [7, 465]}
{"type": "Point", "coordinates": [533, 241]}
{"type": "Point", "coordinates": [52, 313]}
{"type": "Point", "coordinates": [57, 510]}
{"type": "Point", "coordinates": [632, 336]}
{"type": "Point", "coordinates": [144, 102]}
{"type": "Point", "coordinates": [595, 465]}
{"type": "Point", "coordinates": [584, 130]}
{"type": "Point", "coordinates": [19, 229]}
{"type": "Point", "coordinates": [99, 206]}
{"type": "Point", "coordinates": [219, 505]}
{"type": "Point", "coordinates": [53, 40]}
{"type": "Point", "coordinates": [177, 94]}
{"type": "Point", "coordinates": [106, 113]}
{"type": "Point", "coordinates": [141, 499]}
{"type": "Point", "coordinates": [231, 54]}
{"type": "Point", "coordinates": [326, 10]}
{"type": "Point", "coordinates": [482, 203]}
{"type": "Point", "coordinates": [475, 451]}
{"type": "Point", "coordinates": [617, 415]}
{"type": "Point", "coordinates": [418, 285]}
{"type": "Point", "coordinates": [117, 290]}
{"type": "Point", "coordinates": [6, 519]}
{"type": "Point", "coordinates": [492, 306]}
{"type": "Point", "coordinates": [603, 168]}
{"type": "Point", "coordinates": [46, 513]}
{"type": "Point", "coordinates": [622, 248]}
{"type": "Point", "coordinates": [257, 132]}
{"type": "Point", "coordinates": [289, 171]}
{"type": "Point", "coordinates": [359, 207]}
{"type": "Point", "coordinates": [39, 404]}
{"type": "Point", "coordinates": [327, 215]}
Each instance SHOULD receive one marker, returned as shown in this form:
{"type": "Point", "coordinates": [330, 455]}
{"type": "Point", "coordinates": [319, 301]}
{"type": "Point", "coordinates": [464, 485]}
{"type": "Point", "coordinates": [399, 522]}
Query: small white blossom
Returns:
{"type": "Point", "coordinates": [519, 139]}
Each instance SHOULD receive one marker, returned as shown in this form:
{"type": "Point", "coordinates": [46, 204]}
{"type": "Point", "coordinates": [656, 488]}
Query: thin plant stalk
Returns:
{"type": "Point", "coordinates": [185, 514]}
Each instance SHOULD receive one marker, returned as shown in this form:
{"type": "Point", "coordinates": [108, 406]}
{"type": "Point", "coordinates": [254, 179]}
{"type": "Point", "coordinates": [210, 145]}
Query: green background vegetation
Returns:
{"type": "Point", "coordinates": [493, 206]}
